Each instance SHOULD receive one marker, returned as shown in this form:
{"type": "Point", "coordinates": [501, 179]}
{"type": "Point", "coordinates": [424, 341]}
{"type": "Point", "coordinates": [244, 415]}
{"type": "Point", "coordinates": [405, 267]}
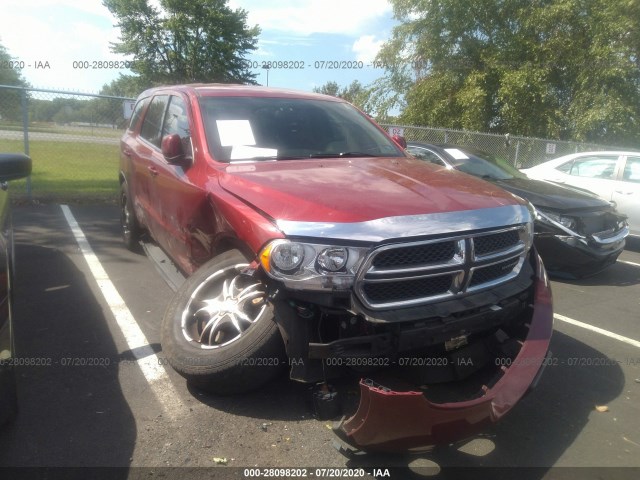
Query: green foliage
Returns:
{"type": "Point", "coordinates": [565, 69]}
{"type": "Point", "coordinates": [64, 110]}
{"type": "Point", "coordinates": [370, 99]}
{"type": "Point", "coordinates": [10, 99]}
{"type": "Point", "coordinates": [184, 42]}
{"type": "Point", "coordinates": [126, 86]}
{"type": "Point", "coordinates": [355, 93]}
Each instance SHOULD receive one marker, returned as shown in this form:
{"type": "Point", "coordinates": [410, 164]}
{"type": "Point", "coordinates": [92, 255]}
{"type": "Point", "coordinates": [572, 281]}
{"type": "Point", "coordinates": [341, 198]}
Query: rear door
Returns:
{"type": "Point", "coordinates": [626, 192]}
{"type": "Point", "coordinates": [7, 354]}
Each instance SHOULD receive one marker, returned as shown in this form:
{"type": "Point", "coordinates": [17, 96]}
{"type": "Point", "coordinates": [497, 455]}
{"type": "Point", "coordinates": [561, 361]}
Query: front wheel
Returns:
{"type": "Point", "coordinates": [219, 330]}
{"type": "Point", "coordinates": [129, 225]}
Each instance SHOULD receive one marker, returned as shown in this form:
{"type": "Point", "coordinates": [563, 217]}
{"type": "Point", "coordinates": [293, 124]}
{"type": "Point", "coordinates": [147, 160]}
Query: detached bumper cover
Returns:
{"type": "Point", "coordinates": [395, 421]}
{"type": "Point", "coordinates": [573, 257]}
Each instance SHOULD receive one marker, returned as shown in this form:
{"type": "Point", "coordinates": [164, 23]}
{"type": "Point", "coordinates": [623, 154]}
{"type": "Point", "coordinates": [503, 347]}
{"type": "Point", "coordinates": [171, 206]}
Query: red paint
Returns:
{"type": "Point", "coordinates": [396, 421]}
{"type": "Point", "coordinates": [241, 200]}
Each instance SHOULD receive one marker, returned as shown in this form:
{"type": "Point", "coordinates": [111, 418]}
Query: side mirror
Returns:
{"type": "Point", "coordinates": [172, 148]}
{"type": "Point", "coordinates": [400, 140]}
{"type": "Point", "coordinates": [14, 166]}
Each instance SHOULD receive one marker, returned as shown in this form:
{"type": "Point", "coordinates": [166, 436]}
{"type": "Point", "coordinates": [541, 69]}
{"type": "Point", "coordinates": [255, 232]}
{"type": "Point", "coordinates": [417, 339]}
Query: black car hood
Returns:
{"type": "Point", "coordinates": [551, 195]}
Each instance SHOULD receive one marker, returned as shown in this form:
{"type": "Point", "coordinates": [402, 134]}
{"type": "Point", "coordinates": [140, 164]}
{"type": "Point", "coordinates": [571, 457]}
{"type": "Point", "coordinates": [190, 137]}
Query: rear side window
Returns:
{"type": "Point", "coordinates": [152, 123]}
{"type": "Point", "coordinates": [632, 170]}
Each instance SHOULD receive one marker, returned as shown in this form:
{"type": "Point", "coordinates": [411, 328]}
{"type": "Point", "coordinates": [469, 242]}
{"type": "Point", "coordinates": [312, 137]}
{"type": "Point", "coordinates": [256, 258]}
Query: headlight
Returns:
{"type": "Point", "coordinates": [552, 217]}
{"type": "Point", "coordinates": [287, 257]}
{"type": "Point", "coordinates": [333, 259]}
{"type": "Point", "coordinates": [312, 266]}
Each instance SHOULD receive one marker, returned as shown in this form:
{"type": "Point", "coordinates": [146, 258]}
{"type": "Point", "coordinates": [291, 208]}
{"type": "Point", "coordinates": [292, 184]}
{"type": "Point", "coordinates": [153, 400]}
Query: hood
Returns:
{"type": "Point", "coordinates": [357, 189]}
{"type": "Point", "coordinates": [551, 195]}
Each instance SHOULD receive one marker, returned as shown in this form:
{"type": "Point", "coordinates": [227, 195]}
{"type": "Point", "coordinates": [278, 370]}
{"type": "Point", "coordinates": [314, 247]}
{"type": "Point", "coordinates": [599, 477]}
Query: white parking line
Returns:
{"type": "Point", "coordinates": [148, 361]}
{"type": "Point", "coordinates": [599, 330]}
{"type": "Point", "coordinates": [629, 263]}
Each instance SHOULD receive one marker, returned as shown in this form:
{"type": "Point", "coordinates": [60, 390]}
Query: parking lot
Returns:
{"type": "Point", "coordinates": [100, 395]}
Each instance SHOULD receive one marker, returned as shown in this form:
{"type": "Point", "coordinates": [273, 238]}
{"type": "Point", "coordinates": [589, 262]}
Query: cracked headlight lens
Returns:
{"type": "Point", "coordinates": [545, 216]}
{"type": "Point", "coordinates": [312, 266]}
{"type": "Point", "coordinates": [333, 259]}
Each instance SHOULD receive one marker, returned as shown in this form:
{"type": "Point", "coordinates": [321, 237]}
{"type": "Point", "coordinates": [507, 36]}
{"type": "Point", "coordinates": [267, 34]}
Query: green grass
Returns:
{"type": "Point", "coordinates": [67, 170]}
{"type": "Point", "coordinates": [44, 127]}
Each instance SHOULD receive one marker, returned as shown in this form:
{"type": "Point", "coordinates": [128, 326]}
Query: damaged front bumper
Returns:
{"type": "Point", "coordinates": [391, 420]}
{"type": "Point", "coordinates": [569, 254]}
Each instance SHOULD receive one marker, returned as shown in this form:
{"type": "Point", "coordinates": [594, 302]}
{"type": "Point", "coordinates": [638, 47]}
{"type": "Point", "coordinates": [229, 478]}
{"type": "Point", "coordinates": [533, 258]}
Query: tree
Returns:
{"type": "Point", "coordinates": [566, 69]}
{"type": "Point", "coordinates": [355, 93]}
{"type": "Point", "coordinates": [366, 99]}
{"type": "Point", "coordinates": [183, 42]}
{"type": "Point", "coordinates": [10, 100]}
{"type": "Point", "coordinates": [125, 86]}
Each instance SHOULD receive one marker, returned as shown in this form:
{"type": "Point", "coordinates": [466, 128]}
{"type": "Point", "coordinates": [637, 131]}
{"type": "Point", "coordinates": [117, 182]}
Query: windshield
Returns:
{"type": "Point", "coordinates": [272, 128]}
{"type": "Point", "coordinates": [482, 164]}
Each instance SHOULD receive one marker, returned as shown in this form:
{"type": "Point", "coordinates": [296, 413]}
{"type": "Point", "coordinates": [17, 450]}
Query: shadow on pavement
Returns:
{"type": "Point", "coordinates": [617, 275]}
{"type": "Point", "coordinates": [72, 411]}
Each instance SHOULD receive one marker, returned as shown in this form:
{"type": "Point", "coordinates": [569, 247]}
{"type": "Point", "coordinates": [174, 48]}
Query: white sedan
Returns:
{"type": "Point", "coordinates": [614, 176]}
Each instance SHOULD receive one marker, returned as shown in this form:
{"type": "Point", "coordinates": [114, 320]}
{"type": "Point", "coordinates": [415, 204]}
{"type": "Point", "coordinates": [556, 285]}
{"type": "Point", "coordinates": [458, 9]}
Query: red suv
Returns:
{"type": "Point", "coordinates": [311, 240]}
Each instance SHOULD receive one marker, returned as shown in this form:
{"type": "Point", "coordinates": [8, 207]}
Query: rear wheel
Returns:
{"type": "Point", "coordinates": [219, 330]}
{"type": "Point", "coordinates": [129, 225]}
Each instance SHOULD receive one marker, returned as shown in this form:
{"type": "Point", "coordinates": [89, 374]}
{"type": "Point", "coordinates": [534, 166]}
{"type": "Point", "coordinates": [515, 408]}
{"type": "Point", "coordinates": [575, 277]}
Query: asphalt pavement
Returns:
{"type": "Point", "coordinates": [89, 403]}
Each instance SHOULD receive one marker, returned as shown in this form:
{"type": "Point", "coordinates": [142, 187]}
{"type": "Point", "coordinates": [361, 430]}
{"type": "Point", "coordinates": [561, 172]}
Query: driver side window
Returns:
{"type": "Point", "coordinates": [176, 121]}
{"type": "Point", "coordinates": [594, 167]}
{"type": "Point", "coordinates": [150, 130]}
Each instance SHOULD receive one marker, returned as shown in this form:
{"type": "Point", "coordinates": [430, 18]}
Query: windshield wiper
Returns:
{"type": "Point", "coordinates": [267, 157]}
{"type": "Point", "coordinates": [342, 154]}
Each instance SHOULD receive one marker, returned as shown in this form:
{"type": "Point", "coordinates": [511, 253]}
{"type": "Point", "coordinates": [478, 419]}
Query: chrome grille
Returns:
{"type": "Point", "coordinates": [409, 289]}
{"type": "Point", "coordinates": [416, 255]}
{"type": "Point", "coordinates": [421, 272]}
{"type": "Point", "coordinates": [482, 275]}
{"type": "Point", "coordinates": [495, 242]}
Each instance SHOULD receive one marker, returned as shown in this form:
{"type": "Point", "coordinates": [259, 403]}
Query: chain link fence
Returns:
{"type": "Point", "coordinates": [73, 139]}
{"type": "Point", "coordinates": [521, 152]}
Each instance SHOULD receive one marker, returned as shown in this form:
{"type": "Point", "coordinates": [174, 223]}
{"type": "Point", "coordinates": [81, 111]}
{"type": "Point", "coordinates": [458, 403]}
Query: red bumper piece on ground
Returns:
{"type": "Point", "coordinates": [395, 421]}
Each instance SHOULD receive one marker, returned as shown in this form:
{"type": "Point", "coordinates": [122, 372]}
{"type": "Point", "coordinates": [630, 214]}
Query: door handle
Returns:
{"type": "Point", "coordinates": [153, 171]}
{"type": "Point", "coordinates": [127, 152]}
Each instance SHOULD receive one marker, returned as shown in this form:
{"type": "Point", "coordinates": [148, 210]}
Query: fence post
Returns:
{"type": "Point", "coordinates": [515, 164]}
{"type": "Point", "coordinates": [446, 140]}
{"type": "Point", "coordinates": [25, 133]}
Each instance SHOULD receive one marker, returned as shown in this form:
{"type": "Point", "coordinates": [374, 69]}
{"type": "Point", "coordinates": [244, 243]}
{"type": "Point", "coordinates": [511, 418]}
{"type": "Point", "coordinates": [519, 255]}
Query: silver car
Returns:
{"type": "Point", "coordinates": [613, 175]}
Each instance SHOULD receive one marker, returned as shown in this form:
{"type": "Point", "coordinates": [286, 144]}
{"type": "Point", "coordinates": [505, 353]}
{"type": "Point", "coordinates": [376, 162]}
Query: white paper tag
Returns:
{"type": "Point", "coordinates": [235, 132]}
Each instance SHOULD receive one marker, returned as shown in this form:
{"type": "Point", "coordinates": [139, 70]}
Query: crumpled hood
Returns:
{"type": "Point", "coordinates": [357, 189]}
{"type": "Point", "coordinates": [551, 195]}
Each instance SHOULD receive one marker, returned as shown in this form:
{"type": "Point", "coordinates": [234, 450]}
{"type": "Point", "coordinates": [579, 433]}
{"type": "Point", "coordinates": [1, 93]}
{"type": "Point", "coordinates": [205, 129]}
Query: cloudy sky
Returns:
{"type": "Point", "coordinates": [50, 35]}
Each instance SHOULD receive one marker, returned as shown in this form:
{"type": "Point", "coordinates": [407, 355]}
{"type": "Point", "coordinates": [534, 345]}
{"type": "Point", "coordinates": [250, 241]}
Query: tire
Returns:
{"type": "Point", "coordinates": [131, 231]}
{"type": "Point", "coordinates": [8, 396]}
{"type": "Point", "coordinates": [223, 353]}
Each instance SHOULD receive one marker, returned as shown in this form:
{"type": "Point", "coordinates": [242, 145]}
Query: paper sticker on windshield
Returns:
{"type": "Point", "coordinates": [235, 132]}
{"type": "Point", "coordinates": [247, 152]}
{"type": "Point", "coordinates": [457, 154]}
